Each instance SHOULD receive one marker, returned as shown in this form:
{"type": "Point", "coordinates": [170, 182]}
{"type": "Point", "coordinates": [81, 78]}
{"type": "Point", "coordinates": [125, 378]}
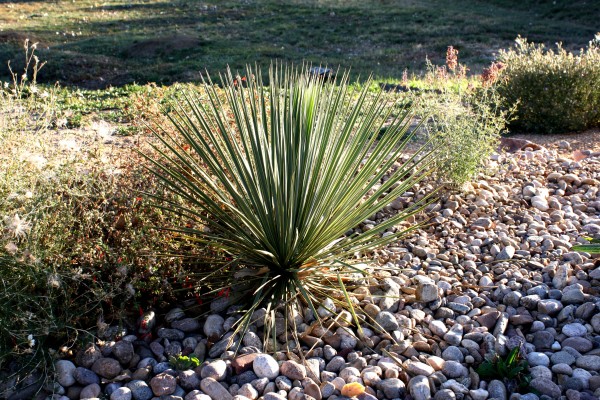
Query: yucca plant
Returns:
{"type": "Point", "coordinates": [592, 247]}
{"type": "Point", "coordinates": [274, 176]}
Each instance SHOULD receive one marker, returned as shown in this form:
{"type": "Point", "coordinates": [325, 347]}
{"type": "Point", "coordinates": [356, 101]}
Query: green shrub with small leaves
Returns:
{"type": "Point", "coordinates": [462, 118]}
{"type": "Point", "coordinates": [554, 91]}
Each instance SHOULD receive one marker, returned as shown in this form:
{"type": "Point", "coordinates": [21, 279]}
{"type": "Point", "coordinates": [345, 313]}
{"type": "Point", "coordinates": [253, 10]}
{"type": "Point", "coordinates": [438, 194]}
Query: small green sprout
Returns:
{"type": "Point", "coordinates": [182, 363]}
{"type": "Point", "coordinates": [513, 370]}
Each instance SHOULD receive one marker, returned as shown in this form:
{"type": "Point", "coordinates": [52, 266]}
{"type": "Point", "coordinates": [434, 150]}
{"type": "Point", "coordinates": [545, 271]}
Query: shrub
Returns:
{"type": "Point", "coordinates": [464, 120]}
{"type": "Point", "coordinates": [75, 236]}
{"type": "Point", "coordinates": [273, 177]}
{"type": "Point", "coordinates": [554, 91]}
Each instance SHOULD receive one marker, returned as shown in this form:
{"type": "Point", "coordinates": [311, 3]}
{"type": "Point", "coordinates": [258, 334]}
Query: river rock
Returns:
{"type": "Point", "coordinates": [65, 371]}
{"type": "Point", "coordinates": [107, 368]}
{"type": "Point", "coordinates": [265, 366]}
{"type": "Point", "coordinates": [214, 389]}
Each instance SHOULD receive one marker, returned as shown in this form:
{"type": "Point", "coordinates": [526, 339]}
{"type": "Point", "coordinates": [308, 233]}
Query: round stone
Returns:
{"type": "Point", "coordinates": [174, 315]}
{"type": "Point", "coordinates": [147, 362]}
{"type": "Point", "coordinates": [111, 387]}
{"type": "Point", "coordinates": [574, 330]}
{"type": "Point", "coordinates": [564, 369]}
{"type": "Point", "coordinates": [85, 377]}
{"type": "Point", "coordinates": [140, 390]}
{"type": "Point", "coordinates": [543, 340]}
{"type": "Point", "coordinates": [453, 353]}
{"type": "Point", "coordinates": [419, 368]}
{"type": "Point", "coordinates": [171, 334]}
{"type": "Point", "coordinates": [189, 380]}
{"type": "Point", "coordinates": [454, 335]}
{"type": "Point", "coordinates": [163, 384]}
{"type": "Point", "coordinates": [580, 344]}
{"type": "Point", "coordinates": [336, 364]}
{"type": "Point", "coordinates": [88, 355]}
{"type": "Point", "coordinates": [546, 386]}
{"type": "Point", "coordinates": [91, 391]}
{"type": "Point", "coordinates": [123, 351]}
{"type": "Point", "coordinates": [186, 325]}
{"type": "Point", "coordinates": [214, 389]}
{"type": "Point", "coordinates": [454, 369]}
{"type": "Point", "coordinates": [497, 390]}
{"type": "Point", "coordinates": [588, 362]}
{"type": "Point", "coordinates": [349, 373]}
{"type": "Point", "coordinates": [107, 368]}
{"type": "Point", "coordinates": [438, 328]}
{"type": "Point", "coordinates": [427, 292]}
{"type": "Point", "coordinates": [327, 308]}
{"type": "Point", "coordinates": [387, 321]}
{"type": "Point", "coordinates": [248, 391]}
{"type": "Point", "coordinates": [582, 375]}
{"type": "Point", "coordinates": [506, 254]}
{"type": "Point", "coordinates": [65, 371]}
{"type": "Point", "coordinates": [575, 296]}
{"type": "Point", "coordinates": [549, 306]}
{"type": "Point", "coordinates": [595, 322]}
{"type": "Point", "coordinates": [562, 357]}
{"type": "Point", "coordinates": [419, 388]}
{"type": "Point", "coordinates": [445, 394]}
{"type": "Point", "coordinates": [392, 388]}
{"type": "Point", "coordinates": [265, 366]}
{"type": "Point", "coordinates": [122, 393]}
{"type": "Point", "coordinates": [479, 394]}
{"type": "Point", "coordinates": [253, 340]}
{"type": "Point", "coordinates": [535, 359]}
{"type": "Point", "coordinates": [293, 370]}
{"type": "Point", "coordinates": [283, 383]}
{"type": "Point", "coordinates": [213, 327]}
{"type": "Point", "coordinates": [216, 370]}
{"type": "Point", "coordinates": [540, 372]}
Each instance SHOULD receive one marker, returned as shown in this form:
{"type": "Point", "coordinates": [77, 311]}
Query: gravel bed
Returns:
{"type": "Point", "coordinates": [493, 271]}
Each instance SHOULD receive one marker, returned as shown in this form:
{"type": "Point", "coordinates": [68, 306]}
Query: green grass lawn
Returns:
{"type": "Point", "coordinates": [95, 44]}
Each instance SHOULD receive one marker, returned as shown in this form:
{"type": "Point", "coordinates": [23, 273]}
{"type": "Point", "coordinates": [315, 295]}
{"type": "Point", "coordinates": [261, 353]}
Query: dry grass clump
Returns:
{"type": "Point", "coordinates": [77, 244]}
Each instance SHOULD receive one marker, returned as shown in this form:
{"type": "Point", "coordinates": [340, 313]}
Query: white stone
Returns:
{"type": "Point", "coordinates": [265, 366]}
